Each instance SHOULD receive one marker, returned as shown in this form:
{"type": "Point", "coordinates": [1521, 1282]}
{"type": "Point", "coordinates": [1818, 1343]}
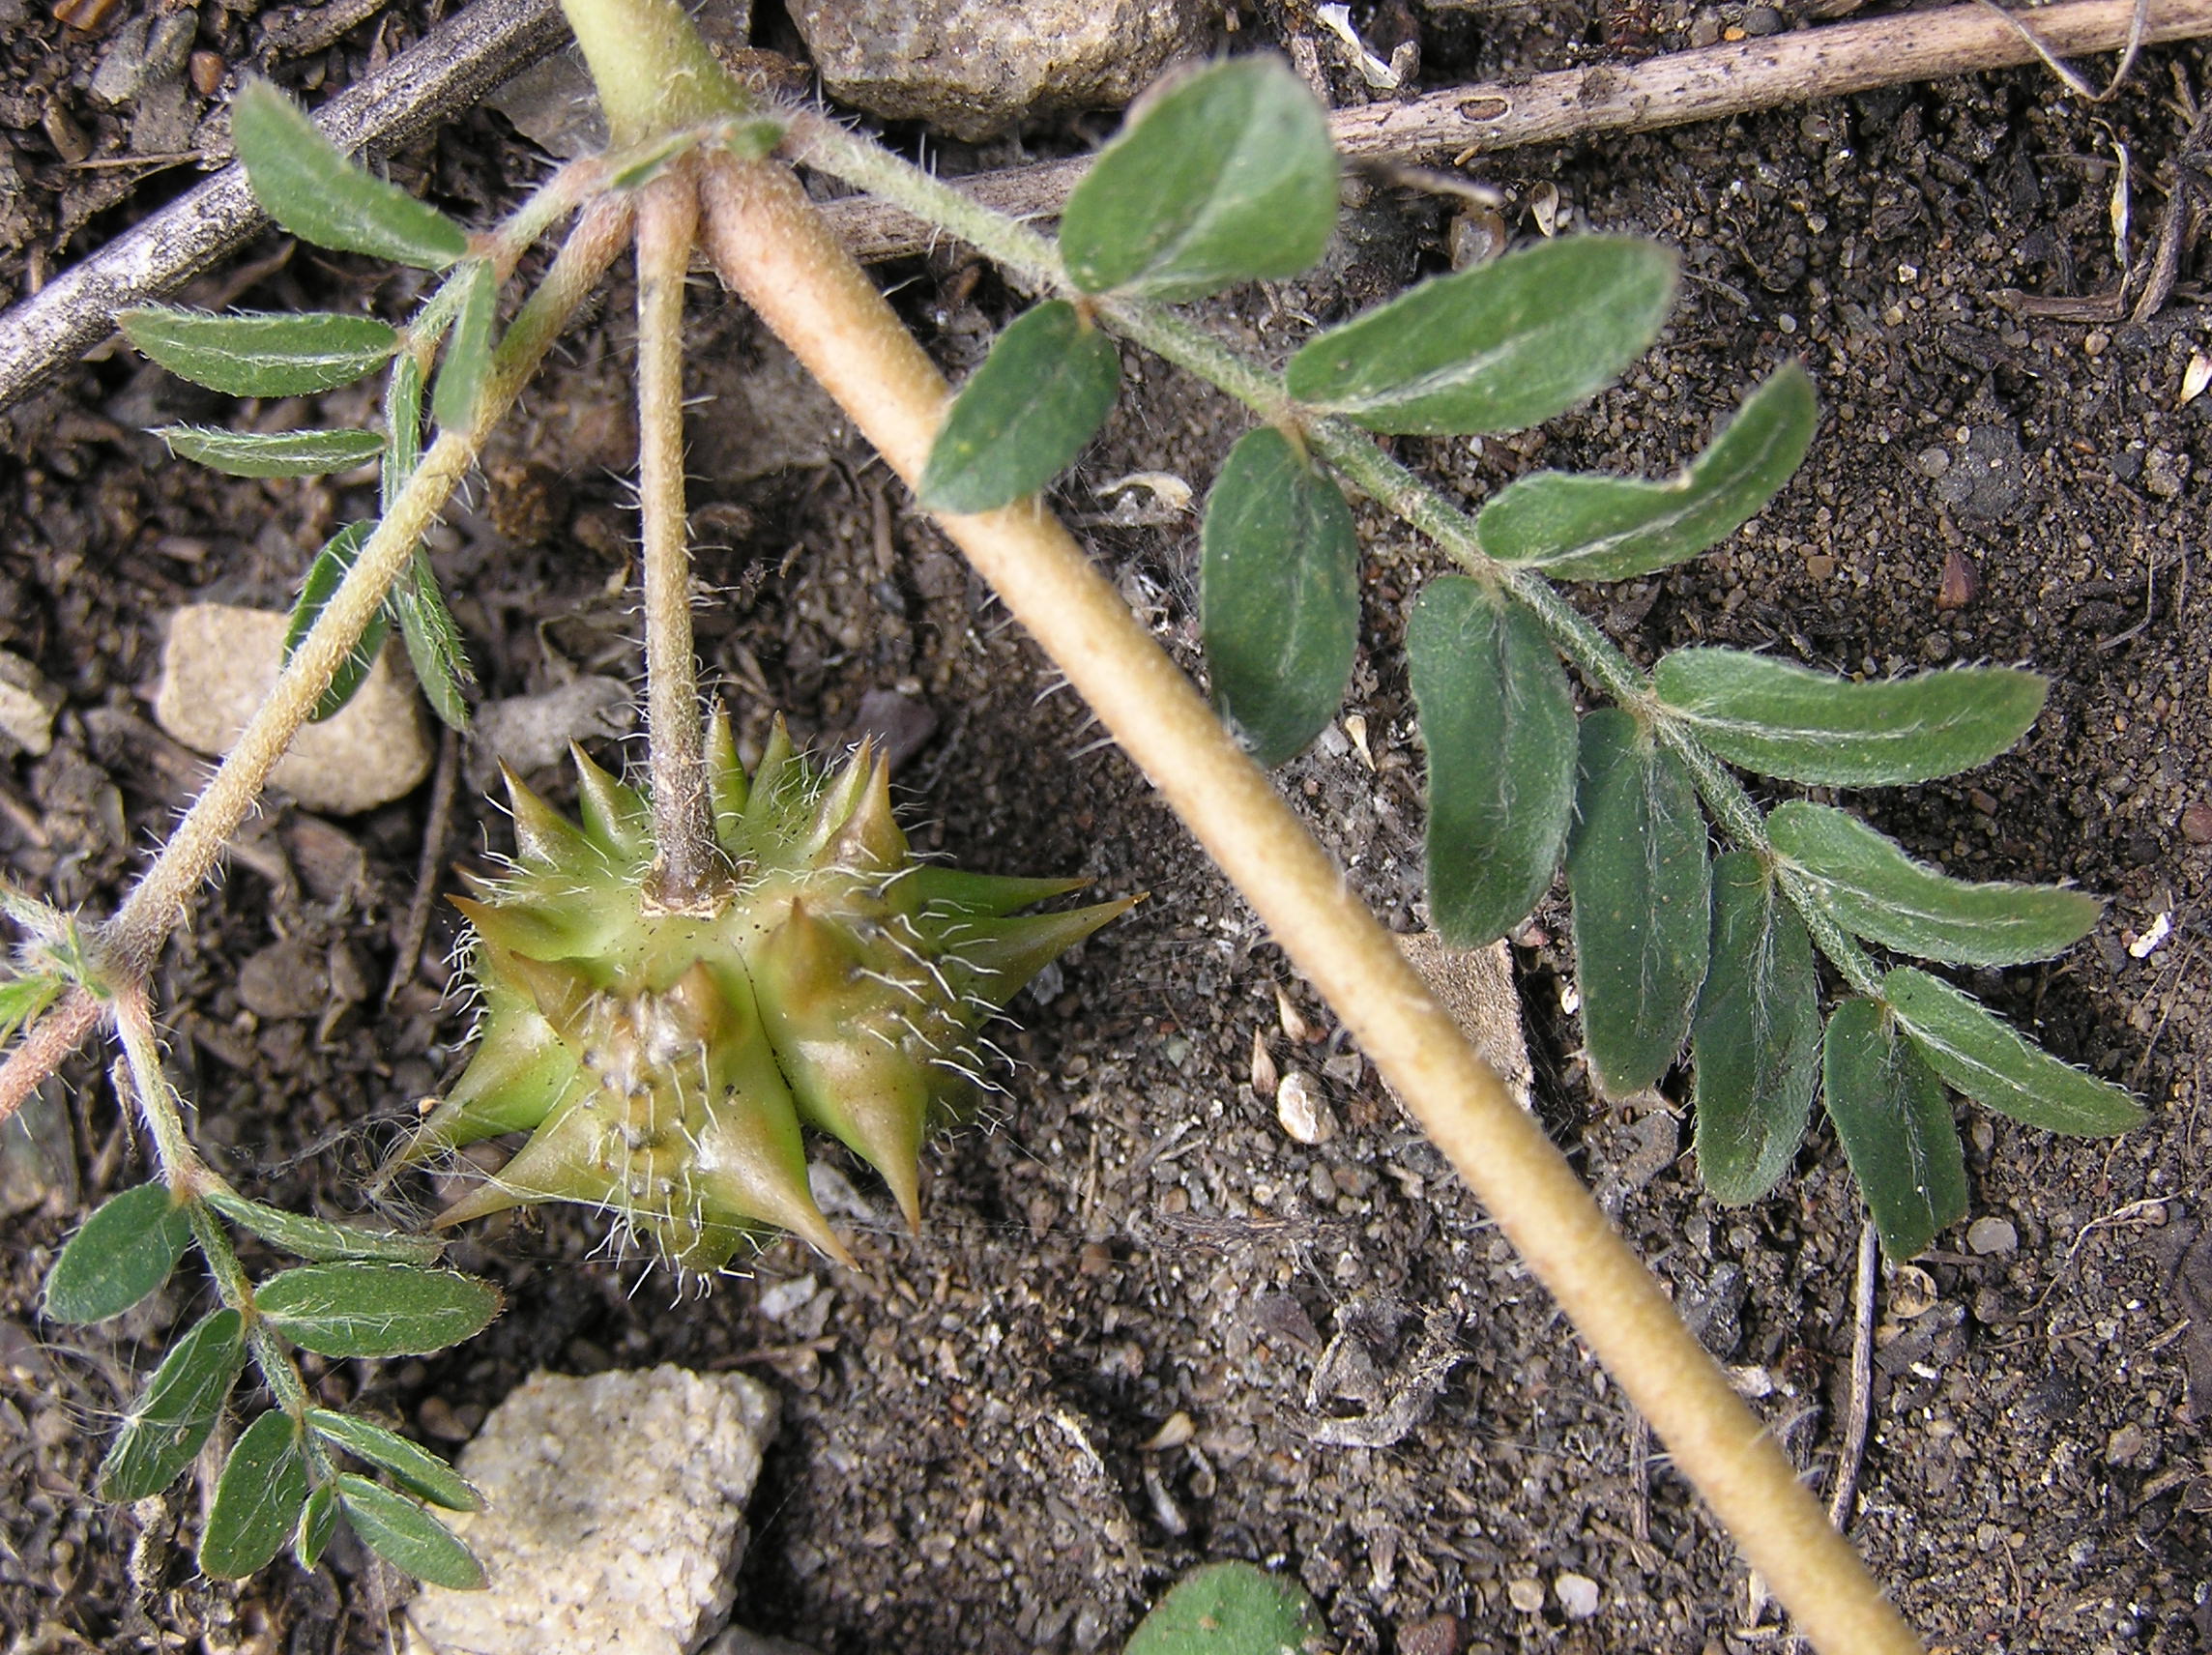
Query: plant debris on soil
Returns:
{"type": "Point", "coordinates": [1142, 1326]}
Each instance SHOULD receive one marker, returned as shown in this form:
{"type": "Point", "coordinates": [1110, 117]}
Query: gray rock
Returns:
{"type": "Point", "coordinates": [28, 704]}
{"type": "Point", "coordinates": [1986, 1236]}
{"type": "Point", "coordinates": [614, 1515]}
{"type": "Point", "coordinates": [217, 665]}
{"type": "Point", "coordinates": [973, 68]}
{"type": "Point", "coordinates": [533, 732]}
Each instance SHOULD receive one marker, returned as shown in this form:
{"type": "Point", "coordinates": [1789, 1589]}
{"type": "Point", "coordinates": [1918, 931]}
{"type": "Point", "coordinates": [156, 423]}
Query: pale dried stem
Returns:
{"type": "Point", "coordinates": [40, 1051]}
{"type": "Point", "coordinates": [769, 245]}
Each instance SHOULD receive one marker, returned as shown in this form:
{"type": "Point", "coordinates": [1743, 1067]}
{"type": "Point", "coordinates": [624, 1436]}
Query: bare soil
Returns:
{"type": "Point", "coordinates": [974, 1455]}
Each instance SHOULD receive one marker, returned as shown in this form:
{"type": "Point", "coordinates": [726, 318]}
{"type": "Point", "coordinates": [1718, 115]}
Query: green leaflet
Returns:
{"type": "Point", "coordinates": [1020, 420]}
{"type": "Point", "coordinates": [454, 399]}
{"type": "Point", "coordinates": [1499, 347]}
{"type": "Point", "coordinates": [257, 1498]}
{"type": "Point", "coordinates": [1278, 595]}
{"type": "Point", "coordinates": [1227, 1608]}
{"type": "Point", "coordinates": [176, 1409]}
{"type": "Point", "coordinates": [406, 1536]}
{"type": "Point", "coordinates": [280, 453]}
{"type": "Point", "coordinates": [319, 1238]}
{"type": "Point", "coordinates": [359, 1308]}
{"type": "Point", "coordinates": [1777, 719]}
{"type": "Point", "coordinates": [260, 356]}
{"type": "Point", "coordinates": [1608, 528]}
{"type": "Point", "coordinates": [318, 1522]}
{"type": "Point", "coordinates": [1989, 1060]}
{"type": "Point", "coordinates": [418, 1470]}
{"type": "Point", "coordinates": [403, 424]}
{"type": "Point", "coordinates": [1756, 1040]}
{"type": "Point", "coordinates": [1228, 176]}
{"type": "Point", "coordinates": [1896, 1128]}
{"type": "Point", "coordinates": [325, 575]}
{"type": "Point", "coordinates": [308, 187]}
{"type": "Point", "coordinates": [1499, 723]}
{"type": "Point", "coordinates": [1876, 891]}
{"type": "Point", "coordinates": [1642, 906]}
{"type": "Point", "coordinates": [24, 1000]}
{"type": "Point", "coordinates": [433, 641]}
{"type": "Point", "coordinates": [121, 1254]}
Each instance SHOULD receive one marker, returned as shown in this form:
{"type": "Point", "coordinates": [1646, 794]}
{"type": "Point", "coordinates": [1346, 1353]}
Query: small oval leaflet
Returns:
{"type": "Point", "coordinates": [1643, 908]}
{"type": "Point", "coordinates": [1982, 1057]}
{"type": "Point", "coordinates": [1609, 527]}
{"type": "Point", "coordinates": [1778, 719]}
{"type": "Point", "coordinates": [1278, 595]}
{"type": "Point", "coordinates": [1226, 176]}
{"type": "Point", "coordinates": [1755, 1039]}
{"type": "Point", "coordinates": [176, 1409]}
{"type": "Point", "coordinates": [119, 1255]}
{"type": "Point", "coordinates": [355, 1309]}
{"type": "Point", "coordinates": [320, 1239]}
{"type": "Point", "coordinates": [257, 355]}
{"type": "Point", "coordinates": [433, 641]}
{"type": "Point", "coordinates": [325, 575]}
{"type": "Point", "coordinates": [416, 1468]}
{"type": "Point", "coordinates": [308, 186]}
{"type": "Point", "coordinates": [406, 1536]}
{"type": "Point", "coordinates": [1023, 416]}
{"type": "Point", "coordinates": [1227, 1608]}
{"type": "Point", "coordinates": [258, 1499]}
{"type": "Point", "coordinates": [277, 453]}
{"type": "Point", "coordinates": [1499, 347]}
{"type": "Point", "coordinates": [1876, 891]}
{"type": "Point", "coordinates": [461, 376]}
{"type": "Point", "coordinates": [1889, 1111]}
{"type": "Point", "coordinates": [1499, 722]}
{"type": "Point", "coordinates": [318, 1522]}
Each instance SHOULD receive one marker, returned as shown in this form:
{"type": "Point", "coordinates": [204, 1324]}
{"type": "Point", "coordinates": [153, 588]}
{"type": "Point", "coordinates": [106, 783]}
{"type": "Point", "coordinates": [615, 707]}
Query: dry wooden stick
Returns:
{"type": "Point", "coordinates": [1861, 1404]}
{"type": "Point", "coordinates": [1673, 91]}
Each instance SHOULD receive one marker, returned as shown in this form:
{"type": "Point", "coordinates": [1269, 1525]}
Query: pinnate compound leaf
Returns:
{"type": "Point", "coordinates": [257, 1498]}
{"type": "Point", "coordinates": [1227, 1608]}
{"type": "Point", "coordinates": [260, 356]}
{"type": "Point", "coordinates": [277, 453]}
{"type": "Point", "coordinates": [433, 642]}
{"type": "Point", "coordinates": [1499, 722]}
{"type": "Point", "coordinates": [363, 1309]}
{"type": "Point", "coordinates": [1609, 527]}
{"type": "Point", "coordinates": [1876, 891]}
{"type": "Point", "coordinates": [1643, 901]}
{"type": "Point", "coordinates": [1278, 595]}
{"type": "Point", "coordinates": [176, 1409]}
{"type": "Point", "coordinates": [1226, 176]}
{"type": "Point", "coordinates": [318, 1522]}
{"type": "Point", "coordinates": [1993, 1063]}
{"type": "Point", "coordinates": [122, 1253]}
{"type": "Point", "coordinates": [320, 1239]}
{"type": "Point", "coordinates": [1499, 347]}
{"type": "Point", "coordinates": [467, 363]}
{"type": "Point", "coordinates": [406, 1536]}
{"type": "Point", "coordinates": [1778, 719]}
{"type": "Point", "coordinates": [418, 1470]}
{"type": "Point", "coordinates": [1755, 1039]}
{"type": "Point", "coordinates": [1896, 1128]}
{"type": "Point", "coordinates": [325, 575]}
{"type": "Point", "coordinates": [308, 186]}
{"type": "Point", "coordinates": [1020, 420]}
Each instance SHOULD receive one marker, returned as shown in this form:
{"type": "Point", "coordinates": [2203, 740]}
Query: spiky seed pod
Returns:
{"type": "Point", "coordinates": [664, 1063]}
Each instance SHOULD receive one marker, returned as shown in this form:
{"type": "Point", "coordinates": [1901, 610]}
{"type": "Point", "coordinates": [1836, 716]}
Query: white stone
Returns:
{"type": "Point", "coordinates": [1304, 1112]}
{"type": "Point", "coordinates": [1576, 1595]}
{"type": "Point", "coordinates": [216, 668]}
{"type": "Point", "coordinates": [1986, 1236]}
{"type": "Point", "coordinates": [614, 1515]}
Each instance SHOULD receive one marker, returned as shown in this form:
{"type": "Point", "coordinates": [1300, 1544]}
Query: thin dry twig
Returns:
{"type": "Point", "coordinates": [436, 821]}
{"type": "Point", "coordinates": [2066, 72]}
{"type": "Point", "coordinates": [1861, 1401]}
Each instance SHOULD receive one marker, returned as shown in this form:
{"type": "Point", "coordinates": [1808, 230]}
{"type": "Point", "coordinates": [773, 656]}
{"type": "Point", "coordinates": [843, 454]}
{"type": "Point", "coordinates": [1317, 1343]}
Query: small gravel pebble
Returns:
{"type": "Point", "coordinates": [2197, 824]}
{"type": "Point", "coordinates": [1304, 1112]}
{"type": "Point", "coordinates": [1439, 1635]}
{"type": "Point", "coordinates": [1986, 1236]}
{"type": "Point", "coordinates": [1578, 1595]}
{"type": "Point", "coordinates": [1526, 1596]}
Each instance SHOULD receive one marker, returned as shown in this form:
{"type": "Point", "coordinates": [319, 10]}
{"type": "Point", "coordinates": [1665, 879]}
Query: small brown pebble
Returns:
{"type": "Point", "coordinates": [1525, 1595]}
{"type": "Point", "coordinates": [1962, 583]}
{"type": "Point", "coordinates": [2197, 824]}
{"type": "Point", "coordinates": [1820, 566]}
{"type": "Point", "coordinates": [442, 1420]}
{"type": "Point", "coordinates": [207, 73]}
{"type": "Point", "coordinates": [1095, 1258]}
{"type": "Point", "coordinates": [1439, 1635]}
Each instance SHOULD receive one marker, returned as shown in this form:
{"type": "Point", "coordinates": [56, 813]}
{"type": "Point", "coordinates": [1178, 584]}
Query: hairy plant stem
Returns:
{"type": "Point", "coordinates": [688, 866]}
{"type": "Point", "coordinates": [769, 246]}
{"type": "Point", "coordinates": [129, 942]}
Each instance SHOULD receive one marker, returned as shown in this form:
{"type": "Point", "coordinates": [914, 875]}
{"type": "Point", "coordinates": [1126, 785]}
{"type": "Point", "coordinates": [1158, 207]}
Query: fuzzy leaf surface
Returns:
{"type": "Point", "coordinates": [1643, 901]}
{"type": "Point", "coordinates": [119, 1255]}
{"type": "Point", "coordinates": [1889, 1111]}
{"type": "Point", "coordinates": [1609, 527]}
{"type": "Point", "coordinates": [1756, 1040]}
{"type": "Point", "coordinates": [1228, 176]}
{"type": "Point", "coordinates": [320, 1239]}
{"type": "Point", "coordinates": [1876, 891]}
{"type": "Point", "coordinates": [362, 1309]}
{"type": "Point", "coordinates": [325, 575]}
{"type": "Point", "coordinates": [258, 1499]}
{"type": "Point", "coordinates": [318, 1522]}
{"type": "Point", "coordinates": [308, 186]}
{"type": "Point", "coordinates": [1499, 347]}
{"type": "Point", "coordinates": [176, 1410]}
{"type": "Point", "coordinates": [406, 1536]}
{"type": "Point", "coordinates": [287, 355]}
{"type": "Point", "coordinates": [24, 1000]}
{"type": "Point", "coordinates": [1023, 416]}
{"type": "Point", "coordinates": [277, 453]}
{"type": "Point", "coordinates": [1778, 719]}
{"type": "Point", "coordinates": [1499, 722]}
{"type": "Point", "coordinates": [1227, 1608]}
{"type": "Point", "coordinates": [433, 641]}
{"type": "Point", "coordinates": [1992, 1062]}
{"type": "Point", "coordinates": [418, 1469]}
{"type": "Point", "coordinates": [1278, 595]}
{"type": "Point", "coordinates": [467, 362]}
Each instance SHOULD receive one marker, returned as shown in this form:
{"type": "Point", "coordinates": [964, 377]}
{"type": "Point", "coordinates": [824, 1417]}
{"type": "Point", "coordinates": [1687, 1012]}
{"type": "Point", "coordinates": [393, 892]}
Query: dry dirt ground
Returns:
{"type": "Point", "coordinates": [971, 1458]}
